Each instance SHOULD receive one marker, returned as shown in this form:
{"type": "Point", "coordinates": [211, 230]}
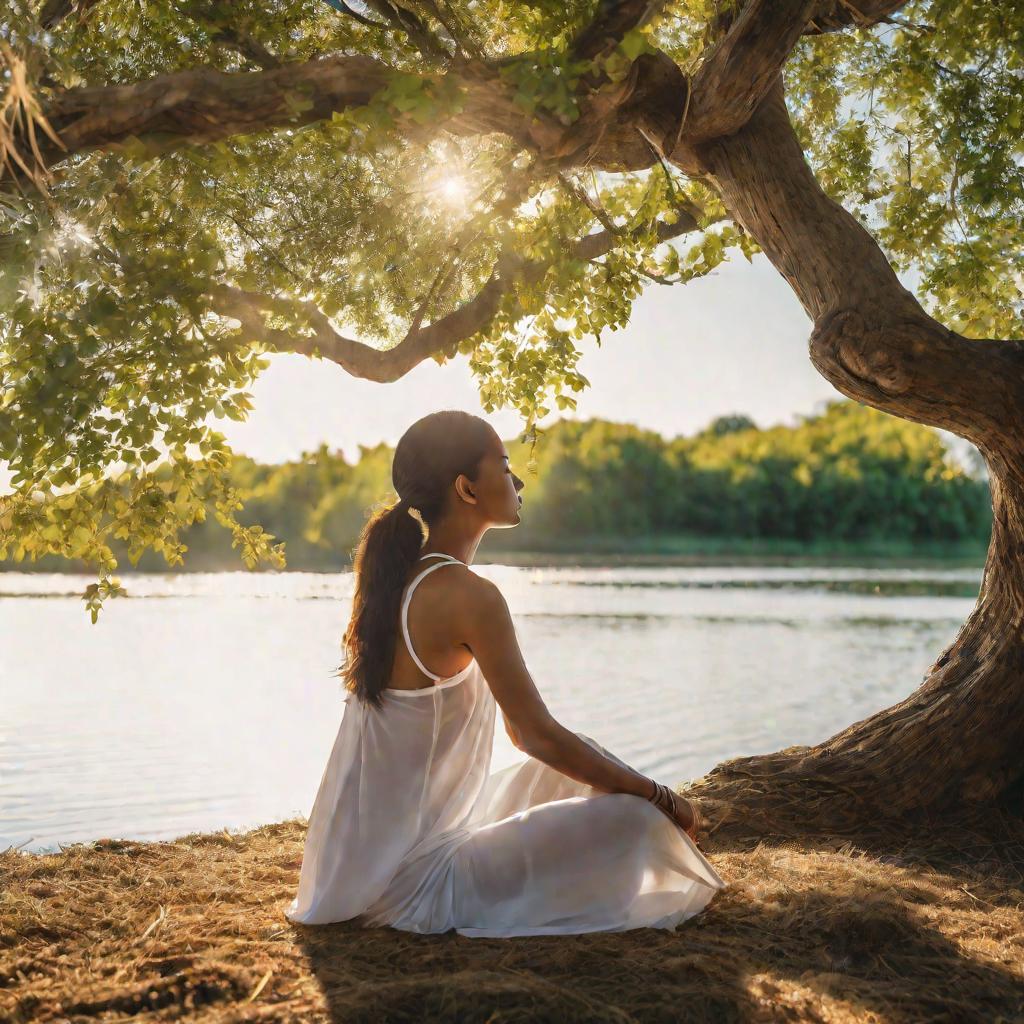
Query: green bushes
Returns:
{"type": "Point", "coordinates": [849, 475]}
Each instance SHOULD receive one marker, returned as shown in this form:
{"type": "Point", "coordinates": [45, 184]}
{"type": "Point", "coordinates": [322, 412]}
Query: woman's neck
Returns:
{"type": "Point", "coordinates": [461, 547]}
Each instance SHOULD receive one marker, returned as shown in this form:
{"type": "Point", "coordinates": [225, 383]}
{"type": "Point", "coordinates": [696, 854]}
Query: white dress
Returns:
{"type": "Point", "coordinates": [410, 829]}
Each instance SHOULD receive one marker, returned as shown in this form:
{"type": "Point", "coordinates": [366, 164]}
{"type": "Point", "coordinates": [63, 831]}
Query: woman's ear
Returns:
{"type": "Point", "coordinates": [464, 489]}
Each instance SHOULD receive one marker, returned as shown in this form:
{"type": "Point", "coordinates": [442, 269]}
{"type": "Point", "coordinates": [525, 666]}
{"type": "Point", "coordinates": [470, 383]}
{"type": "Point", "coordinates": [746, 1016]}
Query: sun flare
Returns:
{"type": "Point", "coordinates": [453, 188]}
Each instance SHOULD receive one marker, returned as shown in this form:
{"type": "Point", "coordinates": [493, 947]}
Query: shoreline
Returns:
{"type": "Point", "coordinates": [644, 551]}
{"type": "Point", "coordinates": [829, 929]}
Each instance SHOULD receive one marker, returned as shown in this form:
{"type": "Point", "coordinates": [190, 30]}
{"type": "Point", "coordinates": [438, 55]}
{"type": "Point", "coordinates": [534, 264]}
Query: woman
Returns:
{"type": "Point", "coordinates": [409, 827]}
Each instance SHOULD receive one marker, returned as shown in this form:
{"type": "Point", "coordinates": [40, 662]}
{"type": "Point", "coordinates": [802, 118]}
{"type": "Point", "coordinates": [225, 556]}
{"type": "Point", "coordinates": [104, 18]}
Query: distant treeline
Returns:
{"type": "Point", "coordinates": [848, 475]}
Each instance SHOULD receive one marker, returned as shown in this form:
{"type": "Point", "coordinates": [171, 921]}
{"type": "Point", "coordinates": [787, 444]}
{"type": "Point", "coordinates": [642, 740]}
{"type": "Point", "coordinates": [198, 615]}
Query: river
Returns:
{"type": "Point", "coordinates": [204, 701]}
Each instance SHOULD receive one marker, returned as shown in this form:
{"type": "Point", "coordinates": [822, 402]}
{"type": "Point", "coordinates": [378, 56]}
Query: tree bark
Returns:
{"type": "Point", "coordinates": [959, 737]}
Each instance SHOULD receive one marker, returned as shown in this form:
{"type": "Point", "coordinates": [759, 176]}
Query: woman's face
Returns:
{"type": "Point", "coordinates": [497, 487]}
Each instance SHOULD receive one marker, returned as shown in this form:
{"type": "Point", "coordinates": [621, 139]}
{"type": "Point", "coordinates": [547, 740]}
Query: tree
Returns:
{"type": "Point", "coordinates": [730, 424]}
{"type": "Point", "coordinates": [192, 184]}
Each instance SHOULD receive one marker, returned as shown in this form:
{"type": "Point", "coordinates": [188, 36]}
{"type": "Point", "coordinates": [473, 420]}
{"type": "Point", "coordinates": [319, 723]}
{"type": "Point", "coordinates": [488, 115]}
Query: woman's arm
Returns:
{"type": "Point", "coordinates": [491, 636]}
{"type": "Point", "coordinates": [512, 734]}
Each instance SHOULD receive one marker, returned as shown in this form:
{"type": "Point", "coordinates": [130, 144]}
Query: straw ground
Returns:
{"type": "Point", "coordinates": [925, 926]}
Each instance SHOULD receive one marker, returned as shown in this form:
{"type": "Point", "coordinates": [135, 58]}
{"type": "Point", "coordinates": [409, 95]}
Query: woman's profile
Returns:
{"type": "Point", "coordinates": [409, 827]}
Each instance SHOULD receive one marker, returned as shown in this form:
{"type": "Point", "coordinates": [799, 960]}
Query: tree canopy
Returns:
{"type": "Point", "coordinates": [189, 186]}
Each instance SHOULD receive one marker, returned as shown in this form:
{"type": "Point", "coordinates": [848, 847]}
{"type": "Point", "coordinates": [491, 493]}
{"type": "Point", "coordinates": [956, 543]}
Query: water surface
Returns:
{"type": "Point", "coordinates": [207, 700]}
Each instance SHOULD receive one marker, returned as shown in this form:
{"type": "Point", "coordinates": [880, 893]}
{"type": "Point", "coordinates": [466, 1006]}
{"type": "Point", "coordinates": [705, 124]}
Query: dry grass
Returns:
{"type": "Point", "coordinates": [924, 928]}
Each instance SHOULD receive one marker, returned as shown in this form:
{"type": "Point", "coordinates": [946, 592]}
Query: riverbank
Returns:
{"type": "Point", "coordinates": [679, 550]}
{"type": "Point", "coordinates": [924, 926]}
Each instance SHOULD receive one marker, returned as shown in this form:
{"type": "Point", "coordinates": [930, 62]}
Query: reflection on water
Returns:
{"type": "Point", "coordinates": [207, 700]}
{"type": "Point", "coordinates": [871, 585]}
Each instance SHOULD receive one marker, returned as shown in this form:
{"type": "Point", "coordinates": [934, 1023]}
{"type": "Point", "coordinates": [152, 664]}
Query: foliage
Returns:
{"type": "Point", "coordinates": [112, 354]}
{"type": "Point", "coordinates": [916, 127]}
{"type": "Point", "coordinates": [847, 474]}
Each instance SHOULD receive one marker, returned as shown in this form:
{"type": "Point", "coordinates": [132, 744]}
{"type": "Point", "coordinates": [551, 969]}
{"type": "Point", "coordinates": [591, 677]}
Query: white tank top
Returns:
{"type": "Point", "coordinates": [438, 680]}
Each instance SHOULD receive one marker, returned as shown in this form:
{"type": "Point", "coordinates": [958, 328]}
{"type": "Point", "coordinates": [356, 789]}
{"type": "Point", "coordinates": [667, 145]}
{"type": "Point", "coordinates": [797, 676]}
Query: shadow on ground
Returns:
{"type": "Point", "coordinates": [927, 926]}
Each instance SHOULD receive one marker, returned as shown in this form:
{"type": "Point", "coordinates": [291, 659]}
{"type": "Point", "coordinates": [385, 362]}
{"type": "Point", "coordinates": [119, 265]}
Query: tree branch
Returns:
{"type": "Point", "coordinates": [457, 30]}
{"type": "Point", "coordinates": [407, 21]}
{"type": "Point", "coordinates": [614, 18]}
{"type": "Point", "coordinates": [206, 105]}
{"type": "Point", "coordinates": [652, 112]}
{"type": "Point", "coordinates": [217, 22]}
{"type": "Point", "coordinates": [734, 77]}
{"type": "Point", "coordinates": [55, 11]}
{"type": "Point", "coordinates": [581, 196]}
{"type": "Point", "coordinates": [836, 15]}
{"type": "Point", "coordinates": [442, 337]}
{"type": "Point", "coordinates": [248, 46]}
{"type": "Point", "coordinates": [740, 68]}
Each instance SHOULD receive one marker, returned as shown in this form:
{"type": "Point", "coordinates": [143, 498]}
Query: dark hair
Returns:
{"type": "Point", "coordinates": [428, 457]}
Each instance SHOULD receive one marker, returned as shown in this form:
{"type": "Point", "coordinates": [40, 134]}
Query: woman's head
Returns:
{"type": "Point", "coordinates": [452, 468]}
{"type": "Point", "coordinates": [453, 464]}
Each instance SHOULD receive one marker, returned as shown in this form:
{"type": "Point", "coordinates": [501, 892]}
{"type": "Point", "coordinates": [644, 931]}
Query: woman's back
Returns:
{"type": "Point", "coordinates": [401, 784]}
{"type": "Point", "coordinates": [429, 611]}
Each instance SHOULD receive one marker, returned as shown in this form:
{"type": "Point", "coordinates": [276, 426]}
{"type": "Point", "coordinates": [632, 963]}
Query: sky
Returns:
{"type": "Point", "coordinates": [734, 341]}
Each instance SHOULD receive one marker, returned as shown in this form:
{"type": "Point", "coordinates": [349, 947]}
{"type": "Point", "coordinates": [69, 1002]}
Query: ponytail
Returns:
{"type": "Point", "coordinates": [389, 544]}
{"type": "Point", "coordinates": [435, 450]}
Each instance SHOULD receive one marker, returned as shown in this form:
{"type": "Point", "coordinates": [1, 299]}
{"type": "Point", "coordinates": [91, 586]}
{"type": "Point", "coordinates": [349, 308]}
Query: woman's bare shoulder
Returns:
{"type": "Point", "coordinates": [464, 584]}
{"type": "Point", "coordinates": [478, 593]}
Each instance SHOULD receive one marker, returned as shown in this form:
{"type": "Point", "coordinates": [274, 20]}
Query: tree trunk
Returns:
{"type": "Point", "coordinates": [959, 737]}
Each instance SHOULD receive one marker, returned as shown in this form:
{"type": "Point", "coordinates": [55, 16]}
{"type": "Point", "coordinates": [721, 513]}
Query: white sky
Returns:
{"type": "Point", "coordinates": [732, 342]}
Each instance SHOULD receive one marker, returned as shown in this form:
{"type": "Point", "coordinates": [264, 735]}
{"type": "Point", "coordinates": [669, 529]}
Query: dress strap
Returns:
{"type": "Point", "coordinates": [446, 560]}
